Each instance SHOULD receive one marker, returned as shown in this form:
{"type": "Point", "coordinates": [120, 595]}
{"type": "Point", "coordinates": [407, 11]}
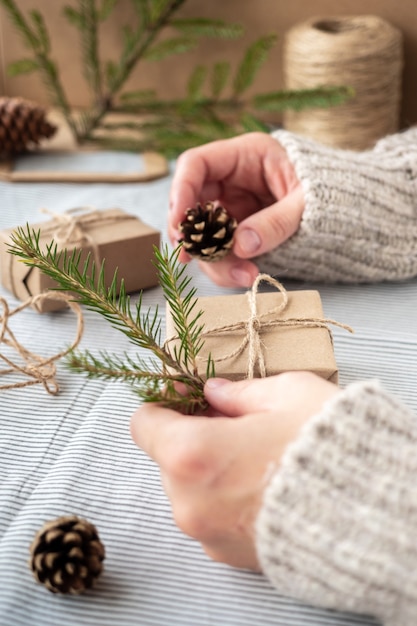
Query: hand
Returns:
{"type": "Point", "coordinates": [214, 468]}
{"type": "Point", "coordinates": [253, 178]}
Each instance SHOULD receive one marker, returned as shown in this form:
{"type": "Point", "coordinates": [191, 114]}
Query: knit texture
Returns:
{"type": "Point", "coordinates": [339, 520]}
{"type": "Point", "coordinates": [360, 217]}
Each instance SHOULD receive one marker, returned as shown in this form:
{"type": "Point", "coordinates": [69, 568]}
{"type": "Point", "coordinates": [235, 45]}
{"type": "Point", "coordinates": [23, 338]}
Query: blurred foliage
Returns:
{"type": "Point", "coordinates": [215, 103]}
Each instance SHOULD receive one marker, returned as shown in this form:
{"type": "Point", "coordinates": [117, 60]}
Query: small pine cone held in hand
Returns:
{"type": "Point", "coordinates": [207, 232]}
{"type": "Point", "coordinates": [67, 555]}
{"type": "Point", "coordinates": [22, 125]}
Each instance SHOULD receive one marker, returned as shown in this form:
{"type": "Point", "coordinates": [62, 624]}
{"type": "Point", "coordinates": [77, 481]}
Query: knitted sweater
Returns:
{"type": "Point", "coordinates": [360, 218]}
{"type": "Point", "coordinates": [338, 523]}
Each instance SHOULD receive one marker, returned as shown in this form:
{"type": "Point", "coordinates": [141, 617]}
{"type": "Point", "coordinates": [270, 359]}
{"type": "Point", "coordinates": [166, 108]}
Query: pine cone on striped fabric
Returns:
{"type": "Point", "coordinates": [67, 555]}
{"type": "Point", "coordinates": [207, 232]}
{"type": "Point", "coordinates": [22, 125]}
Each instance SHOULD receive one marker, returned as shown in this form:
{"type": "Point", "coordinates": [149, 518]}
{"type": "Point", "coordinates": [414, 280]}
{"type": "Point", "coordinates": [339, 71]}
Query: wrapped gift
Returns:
{"type": "Point", "coordinates": [122, 240]}
{"type": "Point", "coordinates": [261, 334]}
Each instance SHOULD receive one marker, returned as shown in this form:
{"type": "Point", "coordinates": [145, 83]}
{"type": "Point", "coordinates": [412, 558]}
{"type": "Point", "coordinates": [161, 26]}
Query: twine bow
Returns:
{"type": "Point", "coordinates": [36, 369]}
{"type": "Point", "coordinates": [70, 227]}
{"type": "Point", "coordinates": [257, 322]}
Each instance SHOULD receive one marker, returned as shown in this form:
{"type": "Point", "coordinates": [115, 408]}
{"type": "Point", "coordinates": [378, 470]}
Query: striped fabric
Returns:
{"type": "Point", "coordinates": [72, 453]}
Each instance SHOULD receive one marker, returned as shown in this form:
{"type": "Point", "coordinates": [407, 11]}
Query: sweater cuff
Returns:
{"type": "Point", "coordinates": [360, 218]}
{"type": "Point", "coordinates": [338, 523]}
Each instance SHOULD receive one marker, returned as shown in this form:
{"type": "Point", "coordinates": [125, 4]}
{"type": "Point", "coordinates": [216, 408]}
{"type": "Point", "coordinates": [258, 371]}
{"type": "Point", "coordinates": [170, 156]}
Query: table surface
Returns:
{"type": "Point", "coordinates": [72, 453]}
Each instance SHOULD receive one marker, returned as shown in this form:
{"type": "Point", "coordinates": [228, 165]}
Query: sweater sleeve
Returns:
{"type": "Point", "coordinates": [338, 524]}
{"type": "Point", "coordinates": [360, 217]}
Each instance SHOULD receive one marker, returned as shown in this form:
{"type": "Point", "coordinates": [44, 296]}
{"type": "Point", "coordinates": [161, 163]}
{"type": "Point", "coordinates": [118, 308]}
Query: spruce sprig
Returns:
{"type": "Point", "coordinates": [216, 104]}
{"type": "Point", "coordinates": [169, 376]}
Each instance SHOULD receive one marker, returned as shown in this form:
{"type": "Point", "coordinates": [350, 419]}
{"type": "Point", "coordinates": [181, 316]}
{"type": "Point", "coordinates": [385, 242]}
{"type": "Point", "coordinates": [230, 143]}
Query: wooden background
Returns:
{"type": "Point", "coordinates": [169, 77]}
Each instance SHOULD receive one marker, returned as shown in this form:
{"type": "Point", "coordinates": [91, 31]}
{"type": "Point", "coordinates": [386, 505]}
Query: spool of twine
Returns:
{"type": "Point", "coordinates": [364, 52]}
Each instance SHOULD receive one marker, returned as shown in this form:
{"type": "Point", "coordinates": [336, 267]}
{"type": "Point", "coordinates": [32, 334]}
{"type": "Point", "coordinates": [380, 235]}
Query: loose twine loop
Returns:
{"type": "Point", "coordinates": [364, 52]}
{"type": "Point", "coordinates": [256, 323]}
{"type": "Point", "coordinates": [36, 369]}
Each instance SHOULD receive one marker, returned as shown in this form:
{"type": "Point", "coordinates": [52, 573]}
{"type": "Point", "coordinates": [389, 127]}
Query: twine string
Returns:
{"type": "Point", "coordinates": [35, 368]}
{"type": "Point", "coordinates": [364, 52]}
{"type": "Point", "coordinates": [257, 322]}
{"type": "Point", "coordinates": [69, 228]}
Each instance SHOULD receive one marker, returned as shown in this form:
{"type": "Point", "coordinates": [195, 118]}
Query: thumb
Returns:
{"type": "Point", "coordinates": [242, 397]}
{"type": "Point", "coordinates": [268, 228]}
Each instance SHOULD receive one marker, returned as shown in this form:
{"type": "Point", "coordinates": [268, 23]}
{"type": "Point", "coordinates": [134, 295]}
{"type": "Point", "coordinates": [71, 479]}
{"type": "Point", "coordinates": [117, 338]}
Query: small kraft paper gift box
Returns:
{"type": "Point", "coordinates": [122, 240]}
{"type": "Point", "coordinates": [262, 334]}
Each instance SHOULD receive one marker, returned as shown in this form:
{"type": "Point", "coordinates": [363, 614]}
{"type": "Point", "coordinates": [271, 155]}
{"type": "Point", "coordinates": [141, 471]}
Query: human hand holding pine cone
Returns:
{"type": "Point", "coordinates": [252, 177]}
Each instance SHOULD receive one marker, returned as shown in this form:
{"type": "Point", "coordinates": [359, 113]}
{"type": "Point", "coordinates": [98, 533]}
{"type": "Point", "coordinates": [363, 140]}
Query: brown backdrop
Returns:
{"type": "Point", "coordinates": [169, 77]}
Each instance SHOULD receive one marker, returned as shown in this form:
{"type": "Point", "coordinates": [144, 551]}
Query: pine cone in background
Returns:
{"type": "Point", "coordinates": [208, 232]}
{"type": "Point", "coordinates": [22, 125]}
{"type": "Point", "coordinates": [67, 555]}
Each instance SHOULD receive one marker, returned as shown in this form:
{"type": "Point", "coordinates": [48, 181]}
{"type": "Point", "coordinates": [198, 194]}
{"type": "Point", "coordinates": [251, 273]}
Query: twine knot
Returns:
{"type": "Point", "coordinates": [258, 322]}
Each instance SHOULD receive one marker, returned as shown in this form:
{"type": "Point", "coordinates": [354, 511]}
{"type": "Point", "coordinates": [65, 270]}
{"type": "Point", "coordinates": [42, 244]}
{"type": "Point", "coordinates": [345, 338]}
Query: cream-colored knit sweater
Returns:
{"type": "Point", "coordinates": [338, 525]}
{"type": "Point", "coordinates": [360, 217]}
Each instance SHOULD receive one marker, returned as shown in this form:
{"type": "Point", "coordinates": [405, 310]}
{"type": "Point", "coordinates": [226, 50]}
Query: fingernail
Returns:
{"type": "Point", "coordinates": [241, 277]}
{"type": "Point", "coordinates": [249, 241]}
{"type": "Point", "coordinates": [215, 383]}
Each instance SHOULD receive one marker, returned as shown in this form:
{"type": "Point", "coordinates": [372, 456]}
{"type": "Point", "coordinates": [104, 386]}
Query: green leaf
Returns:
{"type": "Point", "coordinates": [297, 100]}
{"type": "Point", "coordinates": [16, 16]}
{"type": "Point", "coordinates": [129, 39]}
{"type": "Point", "coordinates": [254, 57]}
{"type": "Point", "coordinates": [24, 66]}
{"type": "Point", "coordinates": [204, 27]}
{"type": "Point", "coordinates": [157, 8]}
{"type": "Point", "coordinates": [106, 9]}
{"type": "Point", "coordinates": [139, 96]}
{"type": "Point", "coordinates": [73, 16]}
{"type": "Point", "coordinates": [42, 32]}
{"type": "Point", "coordinates": [251, 124]}
{"type": "Point", "coordinates": [219, 78]}
{"type": "Point", "coordinates": [168, 47]}
{"type": "Point", "coordinates": [196, 82]}
{"type": "Point", "coordinates": [110, 72]}
{"type": "Point", "coordinates": [141, 7]}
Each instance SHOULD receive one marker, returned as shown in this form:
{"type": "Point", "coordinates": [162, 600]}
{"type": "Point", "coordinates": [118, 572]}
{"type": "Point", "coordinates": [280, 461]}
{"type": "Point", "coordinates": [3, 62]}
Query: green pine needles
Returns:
{"type": "Point", "coordinates": [216, 102]}
{"type": "Point", "coordinates": [169, 376]}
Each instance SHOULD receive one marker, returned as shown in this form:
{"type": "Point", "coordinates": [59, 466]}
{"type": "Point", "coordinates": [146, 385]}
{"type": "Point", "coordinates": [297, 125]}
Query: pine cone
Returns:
{"type": "Point", "coordinates": [67, 555]}
{"type": "Point", "coordinates": [208, 232]}
{"type": "Point", "coordinates": [22, 125]}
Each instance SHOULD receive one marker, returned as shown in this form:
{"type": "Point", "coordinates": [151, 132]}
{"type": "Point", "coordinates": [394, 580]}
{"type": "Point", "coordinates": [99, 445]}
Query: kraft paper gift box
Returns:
{"type": "Point", "coordinates": [122, 240]}
{"type": "Point", "coordinates": [296, 339]}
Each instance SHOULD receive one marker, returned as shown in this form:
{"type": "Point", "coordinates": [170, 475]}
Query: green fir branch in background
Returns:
{"type": "Point", "coordinates": [156, 378]}
{"type": "Point", "coordinates": [215, 105]}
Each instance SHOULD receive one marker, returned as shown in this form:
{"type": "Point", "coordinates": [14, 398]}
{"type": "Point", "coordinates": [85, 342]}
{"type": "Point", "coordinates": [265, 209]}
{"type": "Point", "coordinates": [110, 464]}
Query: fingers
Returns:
{"type": "Point", "coordinates": [243, 397]}
{"type": "Point", "coordinates": [186, 448]}
{"type": "Point", "coordinates": [293, 395]}
{"type": "Point", "coordinates": [231, 272]}
{"type": "Point", "coordinates": [265, 230]}
{"type": "Point", "coordinates": [198, 173]}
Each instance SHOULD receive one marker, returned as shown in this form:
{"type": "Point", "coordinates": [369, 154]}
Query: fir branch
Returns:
{"type": "Point", "coordinates": [219, 78]}
{"type": "Point", "coordinates": [182, 302]}
{"type": "Point", "coordinates": [298, 100]}
{"type": "Point", "coordinates": [89, 39]}
{"type": "Point", "coordinates": [41, 31]}
{"type": "Point", "coordinates": [196, 82]}
{"type": "Point", "coordinates": [47, 67]}
{"type": "Point", "coordinates": [169, 47]}
{"type": "Point", "coordinates": [254, 57]}
{"type": "Point", "coordinates": [106, 9]}
{"type": "Point", "coordinates": [169, 126]}
{"type": "Point", "coordinates": [156, 379]}
{"type": "Point", "coordinates": [204, 27]}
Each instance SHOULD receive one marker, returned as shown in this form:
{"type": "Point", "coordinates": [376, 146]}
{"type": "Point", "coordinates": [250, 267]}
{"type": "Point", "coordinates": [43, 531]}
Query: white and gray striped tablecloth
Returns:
{"type": "Point", "coordinates": [72, 453]}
